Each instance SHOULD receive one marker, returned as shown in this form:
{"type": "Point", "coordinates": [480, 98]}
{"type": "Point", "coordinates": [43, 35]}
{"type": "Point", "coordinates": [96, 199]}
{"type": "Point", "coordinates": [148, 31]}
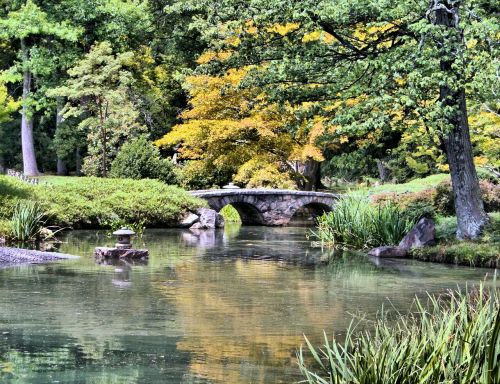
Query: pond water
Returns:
{"type": "Point", "coordinates": [221, 307]}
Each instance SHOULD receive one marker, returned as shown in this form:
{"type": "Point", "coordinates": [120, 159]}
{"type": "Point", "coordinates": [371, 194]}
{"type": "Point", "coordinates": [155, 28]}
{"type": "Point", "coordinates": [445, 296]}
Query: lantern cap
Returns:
{"type": "Point", "coordinates": [124, 231]}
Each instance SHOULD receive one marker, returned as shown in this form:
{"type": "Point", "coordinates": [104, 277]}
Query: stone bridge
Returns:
{"type": "Point", "coordinates": [270, 207]}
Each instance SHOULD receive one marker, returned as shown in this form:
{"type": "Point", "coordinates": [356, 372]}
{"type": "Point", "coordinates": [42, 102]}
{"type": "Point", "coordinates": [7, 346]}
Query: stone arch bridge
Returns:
{"type": "Point", "coordinates": [271, 207]}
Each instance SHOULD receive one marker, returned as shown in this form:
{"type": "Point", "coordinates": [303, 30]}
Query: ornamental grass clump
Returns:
{"type": "Point", "coordinates": [455, 339]}
{"type": "Point", "coordinates": [27, 221]}
{"type": "Point", "coordinates": [355, 223]}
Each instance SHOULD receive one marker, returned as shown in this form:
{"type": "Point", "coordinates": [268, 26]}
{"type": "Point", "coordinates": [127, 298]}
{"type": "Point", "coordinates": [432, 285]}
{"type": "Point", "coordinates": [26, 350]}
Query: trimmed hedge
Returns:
{"type": "Point", "coordinates": [90, 202]}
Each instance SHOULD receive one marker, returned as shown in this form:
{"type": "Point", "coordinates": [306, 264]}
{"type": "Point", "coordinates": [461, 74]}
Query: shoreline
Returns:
{"type": "Point", "coordinates": [17, 256]}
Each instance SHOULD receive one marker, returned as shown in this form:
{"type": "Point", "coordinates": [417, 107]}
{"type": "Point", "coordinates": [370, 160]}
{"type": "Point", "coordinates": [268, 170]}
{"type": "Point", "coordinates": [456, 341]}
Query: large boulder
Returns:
{"type": "Point", "coordinates": [421, 235]}
{"type": "Point", "coordinates": [208, 219]}
{"type": "Point", "coordinates": [188, 220]}
{"type": "Point", "coordinates": [388, 251]}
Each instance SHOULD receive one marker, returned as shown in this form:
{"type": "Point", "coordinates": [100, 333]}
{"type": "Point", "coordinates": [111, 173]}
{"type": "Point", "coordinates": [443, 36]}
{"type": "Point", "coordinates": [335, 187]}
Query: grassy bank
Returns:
{"type": "Point", "coordinates": [483, 252]}
{"type": "Point", "coordinates": [88, 202]}
{"type": "Point", "coordinates": [454, 338]}
{"type": "Point", "coordinates": [358, 222]}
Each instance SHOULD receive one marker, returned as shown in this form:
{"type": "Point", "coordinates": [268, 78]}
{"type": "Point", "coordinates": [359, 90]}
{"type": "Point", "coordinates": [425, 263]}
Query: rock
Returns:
{"type": "Point", "coordinates": [219, 221]}
{"type": "Point", "coordinates": [120, 253]}
{"type": "Point", "coordinates": [208, 219]}
{"type": "Point", "coordinates": [196, 226]}
{"type": "Point", "coordinates": [421, 235]}
{"type": "Point", "coordinates": [188, 220]}
{"type": "Point", "coordinates": [388, 251]}
{"type": "Point", "coordinates": [11, 256]}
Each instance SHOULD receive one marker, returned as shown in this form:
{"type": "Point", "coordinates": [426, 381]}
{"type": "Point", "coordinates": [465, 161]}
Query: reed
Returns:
{"type": "Point", "coordinates": [27, 221]}
{"type": "Point", "coordinates": [453, 339]}
{"type": "Point", "coordinates": [355, 223]}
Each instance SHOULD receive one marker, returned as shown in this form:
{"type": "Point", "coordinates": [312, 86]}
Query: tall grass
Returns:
{"type": "Point", "coordinates": [456, 340]}
{"type": "Point", "coordinates": [355, 223]}
{"type": "Point", "coordinates": [27, 221]}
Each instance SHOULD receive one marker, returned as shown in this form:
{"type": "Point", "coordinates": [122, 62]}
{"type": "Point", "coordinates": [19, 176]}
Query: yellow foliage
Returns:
{"type": "Point", "coordinates": [485, 135]}
{"type": "Point", "coordinates": [228, 126]}
{"type": "Point", "coordinates": [284, 29]}
{"type": "Point", "coordinates": [7, 104]}
{"type": "Point", "coordinates": [318, 36]}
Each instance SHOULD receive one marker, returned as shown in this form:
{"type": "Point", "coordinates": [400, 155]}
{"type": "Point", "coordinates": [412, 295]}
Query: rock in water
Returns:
{"type": "Point", "coordinates": [208, 219]}
{"type": "Point", "coordinates": [421, 235]}
{"type": "Point", "coordinates": [120, 253]}
{"type": "Point", "coordinates": [388, 251]}
{"type": "Point", "coordinates": [219, 221]}
{"type": "Point", "coordinates": [188, 220]}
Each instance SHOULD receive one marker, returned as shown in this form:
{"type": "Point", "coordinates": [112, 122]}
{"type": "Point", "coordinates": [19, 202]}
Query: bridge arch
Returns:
{"type": "Point", "coordinates": [268, 206]}
{"type": "Point", "coordinates": [249, 214]}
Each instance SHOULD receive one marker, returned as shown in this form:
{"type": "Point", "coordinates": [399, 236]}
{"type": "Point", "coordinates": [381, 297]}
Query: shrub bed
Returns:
{"type": "Point", "coordinates": [438, 200]}
{"type": "Point", "coordinates": [90, 202]}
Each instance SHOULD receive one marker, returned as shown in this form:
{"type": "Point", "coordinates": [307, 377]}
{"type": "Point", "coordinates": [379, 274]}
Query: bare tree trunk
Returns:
{"type": "Point", "coordinates": [30, 167]}
{"type": "Point", "coordinates": [61, 165]}
{"type": "Point", "coordinates": [469, 207]}
{"type": "Point", "coordinates": [104, 158]}
{"type": "Point", "coordinates": [471, 216]}
{"type": "Point", "coordinates": [78, 162]}
{"type": "Point", "coordinates": [62, 170]}
{"type": "Point", "coordinates": [382, 171]}
{"type": "Point", "coordinates": [311, 173]}
{"type": "Point", "coordinates": [2, 164]}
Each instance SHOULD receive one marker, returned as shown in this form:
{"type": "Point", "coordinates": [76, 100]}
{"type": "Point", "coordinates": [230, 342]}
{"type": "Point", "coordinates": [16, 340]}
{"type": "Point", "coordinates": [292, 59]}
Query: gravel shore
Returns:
{"type": "Point", "coordinates": [15, 256]}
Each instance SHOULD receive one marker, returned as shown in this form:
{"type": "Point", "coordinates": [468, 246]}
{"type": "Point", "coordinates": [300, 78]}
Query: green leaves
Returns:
{"type": "Point", "coordinates": [451, 339]}
{"type": "Point", "coordinates": [30, 20]}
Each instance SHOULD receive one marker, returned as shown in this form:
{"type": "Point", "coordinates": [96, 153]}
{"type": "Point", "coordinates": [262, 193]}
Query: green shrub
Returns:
{"type": "Point", "coordinates": [355, 223]}
{"type": "Point", "coordinates": [417, 204]}
{"type": "Point", "coordinates": [443, 199]}
{"type": "Point", "coordinates": [140, 159]}
{"type": "Point", "coordinates": [487, 175]}
{"type": "Point", "coordinates": [90, 202]}
{"type": "Point", "coordinates": [438, 200]}
{"type": "Point", "coordinates": [230, 214]}
{"type": "Point", "coordinates": [26, 222]}
{"type": "Point", "coordinates": [474, 254]}
{"type": "Point", "coordinates": [455, 340]}
{"type": "Point", "coordinates": [5, 230]}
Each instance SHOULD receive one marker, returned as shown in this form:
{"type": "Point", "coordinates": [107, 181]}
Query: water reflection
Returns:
{"type": "Point", "coordinates": [219, 307]}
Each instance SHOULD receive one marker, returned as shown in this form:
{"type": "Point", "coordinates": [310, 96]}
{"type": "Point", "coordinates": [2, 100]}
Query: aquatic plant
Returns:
{"type": "Point", "coordinates": [453, 339]}
{"type": "Point", "coordinates": [355, 223]}
{"type": "Point", "coordinates": [27, 221]}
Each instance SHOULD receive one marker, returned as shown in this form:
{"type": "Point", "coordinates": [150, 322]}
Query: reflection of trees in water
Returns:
{"type": "Point", "coordinates": [233, 310]}
{"type": "Point", "coordinates": [83, 326]}
{"type": "Point", "coordinates": [242, 313]}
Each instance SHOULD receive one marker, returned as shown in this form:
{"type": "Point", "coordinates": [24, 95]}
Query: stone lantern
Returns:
{"type": "Point", "coordinates": [124, 234]}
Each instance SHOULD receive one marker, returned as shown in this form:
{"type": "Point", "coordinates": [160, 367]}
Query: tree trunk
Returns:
{"type": "Point", "coordinates": [2, 165]}
{"type": "Point", "coordinates": [78, 162]}
{"type": "Point", "coordinates": [469, 208]}
{"type": "Point", "coordinates": [30, 167]}
{"type": "Point", "coordinates": [311, 173]}
{"type": "Point", "coordinates": [62, 170]}
{"type": "Point", "coordinates": [382, 171]}
{"type": "Point", "coordinates": [61, 165]}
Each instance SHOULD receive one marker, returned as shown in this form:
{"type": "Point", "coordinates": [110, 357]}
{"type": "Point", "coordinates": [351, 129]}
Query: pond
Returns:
{"type": "Point", "coordinates": [216, 307]}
